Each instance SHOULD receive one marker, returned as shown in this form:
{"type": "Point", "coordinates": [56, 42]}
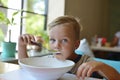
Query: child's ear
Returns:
{"type": "Point", "coordinates": [77, 44]}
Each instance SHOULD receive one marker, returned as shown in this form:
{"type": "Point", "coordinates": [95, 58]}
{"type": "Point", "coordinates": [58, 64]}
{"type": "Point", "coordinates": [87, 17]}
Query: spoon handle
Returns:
{"type": "Point", "coordinates": [36, 43]}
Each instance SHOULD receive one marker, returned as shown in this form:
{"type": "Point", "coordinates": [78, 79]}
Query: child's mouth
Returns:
{"type": "Point", "coordinates": [59, 56]}
{"type": "Point", "coordinates": [57, 53]}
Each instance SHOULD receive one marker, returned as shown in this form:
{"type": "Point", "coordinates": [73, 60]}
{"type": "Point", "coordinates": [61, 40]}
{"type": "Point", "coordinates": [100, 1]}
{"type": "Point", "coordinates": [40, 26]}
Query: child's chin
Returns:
{"type": "Point", "coordinates": [60, 57]}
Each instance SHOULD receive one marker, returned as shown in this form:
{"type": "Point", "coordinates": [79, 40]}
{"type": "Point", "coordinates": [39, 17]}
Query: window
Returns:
{"type": "Point", "coordinates": [36, 18]}
{"type": "Point", "coordinates": [32, 17]}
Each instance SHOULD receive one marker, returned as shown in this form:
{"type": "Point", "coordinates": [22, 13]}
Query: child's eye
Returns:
{"type": "Point", "coordinates": [64, 40]}
{"type": "Point", "coordinates": [52, 40]}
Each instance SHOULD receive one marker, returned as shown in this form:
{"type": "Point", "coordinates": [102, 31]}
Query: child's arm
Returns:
{"type": "Point", "coordinates": [86, 69]}
{"type": "Point", "coordinates": [23, 41]}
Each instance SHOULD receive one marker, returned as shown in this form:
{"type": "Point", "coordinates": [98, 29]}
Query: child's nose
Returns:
{"type": "Point", "coordinates": [57, 45]}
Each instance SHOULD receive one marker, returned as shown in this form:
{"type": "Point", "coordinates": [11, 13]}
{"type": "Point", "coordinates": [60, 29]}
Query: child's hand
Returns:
{"type": "Point", "coordinates": [86, 69]}
{"type": "Point", "coordinates": [23, 41]}
{"type": "Point", "coordinates": [26, 39]}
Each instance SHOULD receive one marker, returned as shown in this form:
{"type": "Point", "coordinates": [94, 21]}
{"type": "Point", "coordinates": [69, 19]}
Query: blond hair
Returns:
{"type": "Point", "coordinates": [70, 20]}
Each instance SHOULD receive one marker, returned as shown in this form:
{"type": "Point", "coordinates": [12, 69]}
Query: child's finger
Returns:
{"type": "Point", "coordinates": [79, 72]}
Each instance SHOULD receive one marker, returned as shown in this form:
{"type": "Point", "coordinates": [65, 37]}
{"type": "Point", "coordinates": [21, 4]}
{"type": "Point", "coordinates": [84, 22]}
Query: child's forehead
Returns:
{"type": "Point", "coordinates": [61, 31]}
{"type": "Point", "coordinates": [63, 28]}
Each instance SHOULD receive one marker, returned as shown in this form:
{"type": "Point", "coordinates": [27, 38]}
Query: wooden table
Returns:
{"type": "Point", "coordinates": [7, 67]}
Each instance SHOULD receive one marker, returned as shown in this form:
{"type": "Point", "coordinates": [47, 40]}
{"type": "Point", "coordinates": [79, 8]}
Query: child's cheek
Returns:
{"type": "Point", "coordinates": [51, 46]}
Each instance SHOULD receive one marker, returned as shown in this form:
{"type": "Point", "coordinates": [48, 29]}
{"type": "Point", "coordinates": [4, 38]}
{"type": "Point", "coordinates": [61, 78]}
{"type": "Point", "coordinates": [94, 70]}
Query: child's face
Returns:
{"type": "Point", "coordinates": [62, 40]}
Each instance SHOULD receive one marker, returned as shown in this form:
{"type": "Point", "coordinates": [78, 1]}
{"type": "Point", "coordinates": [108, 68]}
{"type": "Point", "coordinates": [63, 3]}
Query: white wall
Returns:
{"type": "Point", "coordinates": [55, 8]}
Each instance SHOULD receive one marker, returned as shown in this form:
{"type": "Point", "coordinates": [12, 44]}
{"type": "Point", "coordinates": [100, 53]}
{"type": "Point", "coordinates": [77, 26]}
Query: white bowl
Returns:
{"type": "Point", "coordinates": [45, 68]}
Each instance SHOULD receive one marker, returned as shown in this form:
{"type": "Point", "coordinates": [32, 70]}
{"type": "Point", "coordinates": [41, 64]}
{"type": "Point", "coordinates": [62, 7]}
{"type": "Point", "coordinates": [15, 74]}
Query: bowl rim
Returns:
{"type": "Point", "coordinates": [32, 66]}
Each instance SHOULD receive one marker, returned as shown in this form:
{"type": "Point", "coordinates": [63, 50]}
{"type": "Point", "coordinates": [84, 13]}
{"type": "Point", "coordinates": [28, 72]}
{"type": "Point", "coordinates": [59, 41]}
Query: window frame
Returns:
{"type": "Point", "coordinates": [22, 11]}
